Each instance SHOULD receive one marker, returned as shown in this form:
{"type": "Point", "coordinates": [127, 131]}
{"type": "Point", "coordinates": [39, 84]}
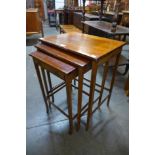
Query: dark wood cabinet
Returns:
{"type": "Point", "coordinates": [33, 22]}
{"type": "Point", "coordinates": [68, 15]}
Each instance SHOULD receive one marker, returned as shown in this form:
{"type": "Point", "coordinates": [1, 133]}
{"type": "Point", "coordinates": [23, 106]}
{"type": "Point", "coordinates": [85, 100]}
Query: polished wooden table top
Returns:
{"type": "Point", "coordinates": [90, 16]}
{"type": "Point", "coordinates": [106, 27]}
{"type": "Point", "coordinates": [112, 13]}
{"type": "Point", "coordinates": [85, 45]}
{"type": "Point", "coordinates": [61, 54]}
{"type": "Point", "coordinates": [108, 13]}
{"type": "Point", "coordinates": [32, 10]}
{"type": "Point", "coordinates": [56, 64]}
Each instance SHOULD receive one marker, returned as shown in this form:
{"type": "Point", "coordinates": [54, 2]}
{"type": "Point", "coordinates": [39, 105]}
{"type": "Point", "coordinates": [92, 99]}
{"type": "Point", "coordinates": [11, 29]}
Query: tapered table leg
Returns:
{"type": "Point", "coordinates": [103, 83]}
{"type": "Point", "coordinates": [113, 78]}
{"type": "Point", "coordinates": [41, 86]}
{"type": "Point", "coordinates": [69, 102]}
{"type": "Point", "coordinates": [92, 90]}
{"type": "Point", "coordinates": [80, 87]}
{"type": "Point", "coordinates": [50, 84]}
{"type": "Point", "coordinates": [45, 84]}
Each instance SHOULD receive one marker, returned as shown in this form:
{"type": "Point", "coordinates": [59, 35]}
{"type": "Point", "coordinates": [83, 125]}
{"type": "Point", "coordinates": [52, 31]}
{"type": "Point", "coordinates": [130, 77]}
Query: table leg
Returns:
{"type": "Point", "coordinates": [60, 29]}
{"type": "Point", "coordinates": [50, 84]}
{"type": "Point", "coordinates": [91, 94]}
{"type": "Point", "coordinates": [80, 87]}
{"type": "Point", "coordinates": [103, 82]}
{"type": "Point", "coordinates": [124, 38]}
{"type": "Point", "coordinates": [113, 78]}
{"type": "Point", "coordinates": [41, 85]}
{"type": "Point", "coordinates": [69, 102]}
{"type": "Point", "coordinates": [74, 82]}
{"type": "Point", "coordinates": [42, 30]}
{"type": "Point", "coordinates": [82, 28]}
{"type": "Point", "coordinates": [44, 79]}
{"type": "Point", "coordinates": [49, 18]}
{"type": "Point", "coordinates": [45, 84]}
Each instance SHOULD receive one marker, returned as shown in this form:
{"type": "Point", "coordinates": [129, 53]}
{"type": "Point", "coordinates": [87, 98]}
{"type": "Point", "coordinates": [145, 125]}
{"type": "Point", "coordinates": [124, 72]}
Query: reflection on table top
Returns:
{"type": "Point", "coordinates": [85, 45]}
{"type": "Point", "coordinates": [109, 13]}
{"type": "Point", "coordinates": [90, 16]}
{"type": "Point", "coordinates": [59, 10]}
{"type": "Point", "coordinates": [32, 10]}
{"type": "Point", "coordinates": [106, 27]}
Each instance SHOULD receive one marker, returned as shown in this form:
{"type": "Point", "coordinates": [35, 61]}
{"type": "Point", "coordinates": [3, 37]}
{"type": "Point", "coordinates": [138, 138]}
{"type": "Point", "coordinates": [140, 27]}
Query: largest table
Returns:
{"type": "Point", "coordinates": [96, 49]}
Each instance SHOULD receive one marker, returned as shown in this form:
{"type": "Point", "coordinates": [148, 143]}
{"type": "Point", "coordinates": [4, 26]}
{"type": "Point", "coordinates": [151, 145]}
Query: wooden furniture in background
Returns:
{"type": "Point", "coordinates": [60, 16]}
{"type": "Point", "coordinates": [52, 18]}
{"type": "Point", "coordinates": [33, 22]}
{"type": "Point", "coordinates": [39, 4]}
{"type": "Point", "coordinates": [69, 28]}
{"type": "Point", "coordinates": [68, 15]}
{"type": "Point", "coordinates": [71, 3]}
{"type": "Point", "coordinates": [125, 19]}
{"type": "Point", "coordinates": [102, 28]}
{"type": "Point", "coordinates": [110, 15]}
{"type": "Point", "coordinates": [78, 17]}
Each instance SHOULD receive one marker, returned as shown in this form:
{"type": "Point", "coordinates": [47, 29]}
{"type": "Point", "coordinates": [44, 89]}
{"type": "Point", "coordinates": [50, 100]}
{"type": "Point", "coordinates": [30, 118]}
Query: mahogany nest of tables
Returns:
{"type": "Point", "coordinates": [81, 52]}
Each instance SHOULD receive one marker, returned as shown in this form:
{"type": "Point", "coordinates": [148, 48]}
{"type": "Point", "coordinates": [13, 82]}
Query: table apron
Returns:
{"type": "Point", "coordinates": [110, 55]}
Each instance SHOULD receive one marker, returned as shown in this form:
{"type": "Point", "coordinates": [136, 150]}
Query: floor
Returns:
{"type": "Point", "coordinates": [48, 134]}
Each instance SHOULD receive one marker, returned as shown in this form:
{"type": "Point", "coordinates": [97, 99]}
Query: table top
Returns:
{"type": "Point", "coordinates": [90, 16]}
{"type": "Point", "coordinates": [112, 13]}
{"type": "Point", "coordinates": [61, 54]}
{"type": "Point", "coordinates": [59, 10]}
{"type": "Point", "coordinates": [109, 13]}
{"type": "Point", "coordinates": [89, 46]}
{"type": "Point", "coordinates": [32, 10]}
{"type": "Point", "coordinates": [52, 62]}
{"type": "Point", "coordinates": [125, 11]}
{"type": "Point", "coordinates": [106, 27]}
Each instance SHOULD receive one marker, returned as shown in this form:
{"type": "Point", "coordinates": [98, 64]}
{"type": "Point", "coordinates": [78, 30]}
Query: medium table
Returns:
{"type": "Point", "coordinates": [95, 49]}
{"type": "Point", "coordinates": [104, 28]}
